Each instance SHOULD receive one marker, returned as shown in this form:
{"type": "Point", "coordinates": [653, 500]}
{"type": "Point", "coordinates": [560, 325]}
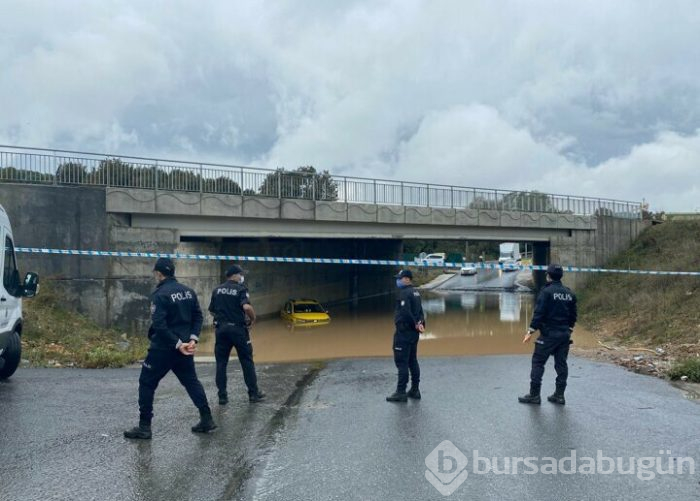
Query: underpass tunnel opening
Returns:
{"type": "Point", "coordinates": [468, 250]}
{"type": "Point", "coordinates": [460, 321]}
{"type": "Point", "coordinates": [272, 284]}
{"type": "Point", "coordinates": [472, 252]}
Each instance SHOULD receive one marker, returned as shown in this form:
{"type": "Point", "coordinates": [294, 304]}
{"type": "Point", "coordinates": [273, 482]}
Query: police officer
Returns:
{"type": "Point", "coordinates": [410, 323]}
{"type": "Point", "coordinates": [554, 317]}
{"type": "Point", "coordinates": [233, 315]}
{"type": "Point", "coordinates": [176, 320]}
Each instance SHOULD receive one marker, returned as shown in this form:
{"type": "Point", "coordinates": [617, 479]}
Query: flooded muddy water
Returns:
{"type": "Point", "coordinates": [458, 323]}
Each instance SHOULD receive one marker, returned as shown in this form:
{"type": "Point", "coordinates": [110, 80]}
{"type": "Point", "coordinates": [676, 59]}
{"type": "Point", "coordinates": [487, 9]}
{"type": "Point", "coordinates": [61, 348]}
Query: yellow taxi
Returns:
{"type": "Point", "coordinates": [304, 312]}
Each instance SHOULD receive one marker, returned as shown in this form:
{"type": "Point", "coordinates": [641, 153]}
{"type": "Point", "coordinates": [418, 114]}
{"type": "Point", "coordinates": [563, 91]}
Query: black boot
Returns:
{"type": "Point", "coordinates": [558, 396]}
{"type": "Point", "coordinates": [414, 393]}
{"type": "Point", "coordinates": [257, 396]}
{"type": "Point", "coordinates": [142, 431]}
{"type": "Point", "coordinates": [206, 423]}
{"type": "Point", "coordinates": [223, 398]}
{"type": "Point", "coordinates": [533, 397]}
{"type": "Point", "coordinates": [397, 397]}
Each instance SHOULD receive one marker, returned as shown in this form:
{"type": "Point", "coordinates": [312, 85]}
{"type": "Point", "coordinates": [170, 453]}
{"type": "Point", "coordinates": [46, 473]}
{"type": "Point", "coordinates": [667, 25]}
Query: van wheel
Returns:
{"type": "Point", "coordinates": [11, 356]}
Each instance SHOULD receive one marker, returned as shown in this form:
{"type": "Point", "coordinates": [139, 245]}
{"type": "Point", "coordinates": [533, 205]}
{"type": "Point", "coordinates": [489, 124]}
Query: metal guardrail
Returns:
{"type": "Point", "coordinates": [61, 167]}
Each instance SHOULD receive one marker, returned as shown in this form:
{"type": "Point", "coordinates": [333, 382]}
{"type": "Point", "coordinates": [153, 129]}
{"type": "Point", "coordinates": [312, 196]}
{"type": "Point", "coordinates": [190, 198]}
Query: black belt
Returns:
{"type": "Point", "coordinates": [231, 324]}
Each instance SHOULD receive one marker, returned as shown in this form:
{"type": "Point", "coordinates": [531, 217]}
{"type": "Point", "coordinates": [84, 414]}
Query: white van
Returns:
{"type": "Point", "coordinates": [11, 293]}
{"type": "Point", "coordinates": [435, 259]}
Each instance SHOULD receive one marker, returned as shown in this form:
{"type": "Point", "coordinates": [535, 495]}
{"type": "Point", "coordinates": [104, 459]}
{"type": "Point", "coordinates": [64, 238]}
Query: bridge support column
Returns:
{"type": "Point", "coordinates": [540, 257]}
{"type": "Point", "coordinates": [354, 278]}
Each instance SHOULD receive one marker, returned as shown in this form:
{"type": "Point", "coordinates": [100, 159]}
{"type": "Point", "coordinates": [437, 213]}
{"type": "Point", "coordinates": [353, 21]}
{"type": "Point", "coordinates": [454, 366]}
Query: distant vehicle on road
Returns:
{"type": "Point", "coordinates": [468, 269]}
{"type": "Point", "coordinates": [434, 259]}
{"type": "Point", "coordinates": [304, 312]}
{"type": "Point", "coordinates": [509, 251]}
{"type": "Point", "coordinates": [11, 293]}
{"type": "Point", "coordinates": [510, 265]}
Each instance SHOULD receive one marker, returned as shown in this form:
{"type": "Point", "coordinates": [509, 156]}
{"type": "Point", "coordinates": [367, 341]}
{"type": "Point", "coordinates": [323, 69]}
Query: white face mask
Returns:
{"type": "Point", "coordinates": [241, 280]}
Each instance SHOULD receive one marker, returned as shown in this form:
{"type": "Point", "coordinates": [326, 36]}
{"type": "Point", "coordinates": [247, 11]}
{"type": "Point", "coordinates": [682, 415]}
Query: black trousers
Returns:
{"type": "Point", "coordinates": [406, 359]}
{"type": "Point", "coordinates": [227, 338]}
{"type": "Point", "coordinates": [546, 346]}
{"type": "Point", "coordinates": [154, 368]}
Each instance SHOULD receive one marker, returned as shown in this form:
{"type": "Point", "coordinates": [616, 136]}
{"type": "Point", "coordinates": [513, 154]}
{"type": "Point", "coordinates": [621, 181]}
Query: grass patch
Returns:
{"type": "Point", "coordinates": [689, 367]}
{"type": "Point", "coordinates": [643, 309]}
{"type": "Point", "coordinates": [54, 336]}
{"type": "Point", "coordinates": [424, 274]}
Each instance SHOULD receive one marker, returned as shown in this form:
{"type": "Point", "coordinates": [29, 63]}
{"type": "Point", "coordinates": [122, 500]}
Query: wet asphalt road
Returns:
{"type": "Point", "coordinates": [61, 435]}
{"type": "Point", "coordinates": [348, 443]}
{"type": "Point", "coordinates": [484, 280]}
{"type": "Point", "coordinates": [329, 434]}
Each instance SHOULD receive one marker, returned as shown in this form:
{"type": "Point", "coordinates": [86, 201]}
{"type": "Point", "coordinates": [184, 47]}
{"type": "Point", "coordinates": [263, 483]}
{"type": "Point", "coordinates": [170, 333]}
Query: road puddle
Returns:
{"type": "Point", "coordinates": [468, 323]}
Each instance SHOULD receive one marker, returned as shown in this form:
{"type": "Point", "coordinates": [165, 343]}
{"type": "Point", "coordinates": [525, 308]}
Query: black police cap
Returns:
{"type": "Point", "coordinates": [555, 271]}
{"type": "Point", "coordinates": [404, 273]}
{"type": "Point", "coordinates": [234, 270]}
{"type": "Point", "coordinates": [165, 265]}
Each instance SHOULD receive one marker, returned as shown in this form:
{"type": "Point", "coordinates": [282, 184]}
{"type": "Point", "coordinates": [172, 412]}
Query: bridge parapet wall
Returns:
{"type": "Point", "coordinates": [138, 201]}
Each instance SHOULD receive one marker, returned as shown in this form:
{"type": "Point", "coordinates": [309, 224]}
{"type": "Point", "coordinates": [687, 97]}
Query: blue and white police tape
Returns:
{"type": "Point", "coordinates": [325, 260]}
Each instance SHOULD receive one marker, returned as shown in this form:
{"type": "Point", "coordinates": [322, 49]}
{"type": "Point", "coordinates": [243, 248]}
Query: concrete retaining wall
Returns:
{"type": "Point", "coordinates": [586, 248]}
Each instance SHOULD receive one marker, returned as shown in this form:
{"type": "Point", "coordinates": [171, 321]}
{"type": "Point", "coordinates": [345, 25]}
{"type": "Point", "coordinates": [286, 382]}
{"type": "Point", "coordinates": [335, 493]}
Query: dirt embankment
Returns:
{"type": "Point", "coordinates": [55, 337]}
{"type": "Point", "coordinates": [650, 324]}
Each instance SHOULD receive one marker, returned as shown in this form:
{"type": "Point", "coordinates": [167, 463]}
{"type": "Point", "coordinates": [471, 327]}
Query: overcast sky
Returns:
{"type": "Point", "coordinates": [598, 98]}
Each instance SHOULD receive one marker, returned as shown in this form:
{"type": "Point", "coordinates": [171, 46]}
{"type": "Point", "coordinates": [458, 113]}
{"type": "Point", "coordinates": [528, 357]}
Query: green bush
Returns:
{"type": "Point", "coordinates": [689, 367]}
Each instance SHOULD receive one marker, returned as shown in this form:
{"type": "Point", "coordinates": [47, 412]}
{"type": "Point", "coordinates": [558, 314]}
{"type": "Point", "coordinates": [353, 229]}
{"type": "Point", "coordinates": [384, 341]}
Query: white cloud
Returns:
{"type": "Point", "coordinates": [665, 171]}
{"type": "Point", "coordinates": [593, 97]}
{"type": "Point", "coordinates": [474, 146]}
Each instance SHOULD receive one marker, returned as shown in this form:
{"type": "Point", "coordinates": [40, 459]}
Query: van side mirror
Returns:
{"type": "Point", "coordinates": [30, 285]}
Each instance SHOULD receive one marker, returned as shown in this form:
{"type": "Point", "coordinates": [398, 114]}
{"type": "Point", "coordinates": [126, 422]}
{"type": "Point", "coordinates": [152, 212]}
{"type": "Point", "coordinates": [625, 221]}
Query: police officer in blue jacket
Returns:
{"type": "Point", "coordinates": [176, 320]}
{"type": "Point", "coordinates": [555, 317]}
{"type": "Point", "coordinates": [233, 316]}
{"type": "Point", "coordinates": [409, 321]}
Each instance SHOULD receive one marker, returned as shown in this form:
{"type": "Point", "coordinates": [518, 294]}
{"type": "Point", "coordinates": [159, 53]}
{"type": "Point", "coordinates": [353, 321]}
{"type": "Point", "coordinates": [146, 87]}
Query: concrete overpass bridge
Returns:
{"type": "Point", "coordinates": [89, 201]}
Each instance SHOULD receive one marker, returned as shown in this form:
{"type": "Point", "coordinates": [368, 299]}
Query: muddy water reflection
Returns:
{"type": "Point", "coordinates": [467, 323]}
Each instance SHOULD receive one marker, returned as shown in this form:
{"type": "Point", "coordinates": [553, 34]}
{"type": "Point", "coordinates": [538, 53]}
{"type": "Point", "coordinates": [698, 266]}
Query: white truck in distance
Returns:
{"type": "Point", "coordinates": [510, 252]}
